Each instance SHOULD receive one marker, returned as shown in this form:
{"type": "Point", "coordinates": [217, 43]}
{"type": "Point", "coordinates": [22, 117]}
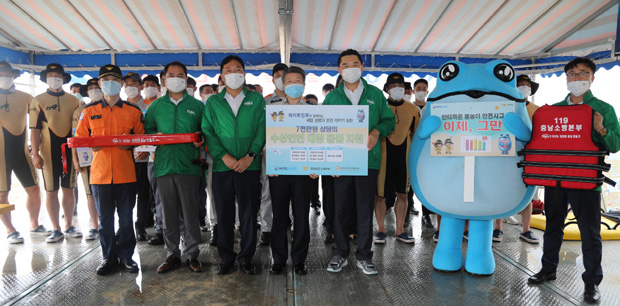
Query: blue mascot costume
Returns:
{"type": "Point", "coordinates": [439, 181]}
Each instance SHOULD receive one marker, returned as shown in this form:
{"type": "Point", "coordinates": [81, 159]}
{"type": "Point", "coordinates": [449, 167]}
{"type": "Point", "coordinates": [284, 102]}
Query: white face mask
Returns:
{"type": "Point", "coordinates": [163, 91]}
{"type": "Point", "coordinates": [352, 75]}
{"type": "Point", "coordinates": [221, 88]}
{"type": "Point", "coordinates": [6, 82]}
{"type": "Point", "coordinates": [279, 84]}
{"type": "Point", "coordinates": [578, 88]}
{"type": "Point", "coordinates": [54, 83]}
{"type": "Point", "coordinates": [95, 94]}
{"type": "Point", "coordinates": [525, 90]}
{"type": "Point", "coordinates": [407, 98]}
{"type": "Point", "coordinates": [150, 92]}
{"type": "Point", "coordinates": [131, 91]}
{"type": "Point", "coordinates": [206, 97]}
{"type": "Point", "coordinates": [234, 80]}
{"type": "Point", "coordinates": [397, 93]}
{"type": "Point", "coordinates": [78, 96]}
{"type": "Point", "coordinates": [175, 85]}
{"type": "Point", "coordinates": [190, 91]}
{"type": "Point", "coordinates": [420, 95]}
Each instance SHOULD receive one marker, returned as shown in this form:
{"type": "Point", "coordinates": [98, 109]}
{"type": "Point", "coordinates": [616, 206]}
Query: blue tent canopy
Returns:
{"type": "Point", "coordinates": [390, 34]}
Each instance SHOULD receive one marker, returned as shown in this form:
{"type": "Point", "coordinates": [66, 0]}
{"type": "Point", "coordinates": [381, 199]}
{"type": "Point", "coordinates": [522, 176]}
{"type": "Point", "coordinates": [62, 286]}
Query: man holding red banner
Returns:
{"type": "Point", "coordinates": [175, 169]}
{"type": "Point", "coordinates": [113, 176]}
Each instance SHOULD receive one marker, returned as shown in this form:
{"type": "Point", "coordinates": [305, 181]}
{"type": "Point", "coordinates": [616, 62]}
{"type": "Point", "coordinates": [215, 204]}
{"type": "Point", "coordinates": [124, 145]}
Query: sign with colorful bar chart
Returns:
{"type": "Point", "coordinates": [472, 129]}
{"type": "Point", "coordinates": [322, 140]}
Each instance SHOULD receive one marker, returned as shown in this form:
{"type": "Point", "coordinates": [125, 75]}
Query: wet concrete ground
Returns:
{"type": "Point", "coordinates": [37, 273]}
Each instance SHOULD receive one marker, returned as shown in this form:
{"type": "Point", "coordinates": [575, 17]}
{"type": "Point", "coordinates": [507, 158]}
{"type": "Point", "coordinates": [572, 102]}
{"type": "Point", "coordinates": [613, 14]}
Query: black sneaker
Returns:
{"type": "Point", "coordinates": [107, 265]}
{"type": "Point", "coordinates": [591, 294]}
{"type": "Point", "coordinates": [497, 235]}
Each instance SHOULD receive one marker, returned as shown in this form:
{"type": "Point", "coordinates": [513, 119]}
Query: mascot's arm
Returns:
{"type": "Point", "coordinates": [515, 125]}
{"type": "Point", "coordinates": [428, 126]}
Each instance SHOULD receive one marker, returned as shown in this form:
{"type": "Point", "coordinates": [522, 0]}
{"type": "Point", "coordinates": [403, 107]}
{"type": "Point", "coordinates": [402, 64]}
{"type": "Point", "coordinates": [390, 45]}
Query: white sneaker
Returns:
{"type": "Point", "coordinates": [15, 238]}
{"type": "Point", "coordinates": [54, 237]}
{"type": "Point", "coordinates": [511, 220]}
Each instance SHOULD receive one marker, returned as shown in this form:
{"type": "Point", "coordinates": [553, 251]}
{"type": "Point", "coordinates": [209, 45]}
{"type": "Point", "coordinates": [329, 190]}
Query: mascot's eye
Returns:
{"type": "Point", "coordinates": [504, 72]}
{"type": "Point", "coordinates": [448, 72]}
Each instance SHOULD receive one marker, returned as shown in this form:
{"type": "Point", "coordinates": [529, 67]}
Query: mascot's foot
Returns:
{"type": "Point", "coordinates": [480, 263]}
{"type": "Point", "coordinates": [448, 260]}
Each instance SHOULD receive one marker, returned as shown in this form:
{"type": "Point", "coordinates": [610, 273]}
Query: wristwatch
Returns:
{"type": "Point", "coordinates": [251, 154]}
{"type": "Point", "coordinates": [603, 132]}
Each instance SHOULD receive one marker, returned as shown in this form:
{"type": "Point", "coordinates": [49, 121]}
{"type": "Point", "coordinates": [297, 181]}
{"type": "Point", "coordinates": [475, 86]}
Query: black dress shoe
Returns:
{"type": "Point", "coordinates": [414, 211]}
{"type": "Point", "coordinates": [225, 268]}
{"type": "Point", "coordinates": [276, 269]}
{"type": "Point", "coordinates": [329, 239]}
{"type": "Point", "coordinates": [541, 277]}
{"type": "Point", "coordinates": [129, 265]}
{"type": "Point", "coordinates": [158, 239]}
{"type": "Point", "coordinates": [107, 265]}
{"type": "Point", "coordinates": [213, 240]}
{"type": "Point", "coordinates": [591, 294]}
{"type": "Point", "coordinates": [265, 238]}
{"type": "Point", "coordinates": [300, 269]}
{"type": "Point", "coordinates": [248, 268]}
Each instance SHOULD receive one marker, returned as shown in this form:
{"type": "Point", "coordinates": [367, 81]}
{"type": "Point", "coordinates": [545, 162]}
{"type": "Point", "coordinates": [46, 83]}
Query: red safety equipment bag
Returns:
{"type": "Point", "coordinates": [561, 152]}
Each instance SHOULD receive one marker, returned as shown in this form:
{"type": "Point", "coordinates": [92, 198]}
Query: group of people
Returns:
{"type": "Point", "coordinates": [230, 121]}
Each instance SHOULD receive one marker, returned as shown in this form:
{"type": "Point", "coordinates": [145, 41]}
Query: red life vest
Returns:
{"type": "Point", "coordinates": [561, 152]}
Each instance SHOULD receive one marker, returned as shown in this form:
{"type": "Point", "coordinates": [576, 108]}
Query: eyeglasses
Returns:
{"type": "Point", "coordinates": [581, 73]}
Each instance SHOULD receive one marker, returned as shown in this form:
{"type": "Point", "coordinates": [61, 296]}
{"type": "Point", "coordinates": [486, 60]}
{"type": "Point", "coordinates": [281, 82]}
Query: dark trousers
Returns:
{"type": "Point", "coordinates": [119, 198]}
{"type": "Point", "coordinates": [586, 207]}
{"type": "Point", "coordinates": [329, 207]}
{"type": "Point", "coordinates": [245, 188]}
{"type": "Point", "coordinates": [355, 192]}
{"type": "Point", "coordinates": [145, 195]}
{"type": "Point", "coordinates": [314, 192]}
{"type": "Point", "coordinates": [286, 191]}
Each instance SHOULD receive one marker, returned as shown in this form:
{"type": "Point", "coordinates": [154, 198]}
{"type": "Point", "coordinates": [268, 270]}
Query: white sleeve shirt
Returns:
{"type": "Point", "coordinates": [354, 96]}
{"type": "Point", "coordinates": [234, 103]}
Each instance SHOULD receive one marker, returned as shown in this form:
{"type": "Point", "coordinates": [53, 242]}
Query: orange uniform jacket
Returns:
{"type": "Point", "coordinates": [111, 165]}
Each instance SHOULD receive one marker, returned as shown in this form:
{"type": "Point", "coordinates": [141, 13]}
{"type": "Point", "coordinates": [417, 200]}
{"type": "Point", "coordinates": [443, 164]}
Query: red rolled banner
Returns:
{"type": "Point", "coordinates": [63, 148]}
{"type": "Point", "coordinates": [131, 140]}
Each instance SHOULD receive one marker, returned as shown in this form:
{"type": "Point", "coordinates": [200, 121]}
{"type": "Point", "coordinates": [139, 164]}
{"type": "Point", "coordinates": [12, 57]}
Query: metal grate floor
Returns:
{"type": "Point", "coordinates": [37, 273]}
